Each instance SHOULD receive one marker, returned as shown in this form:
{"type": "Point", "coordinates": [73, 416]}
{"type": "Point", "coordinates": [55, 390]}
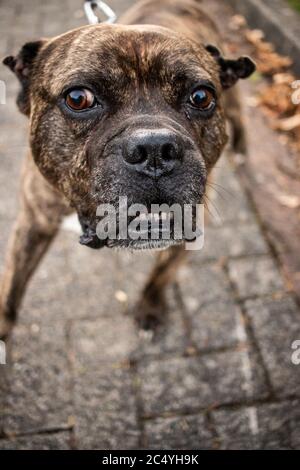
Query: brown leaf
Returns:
{"type": "Point", "coordinates": [289, 124]}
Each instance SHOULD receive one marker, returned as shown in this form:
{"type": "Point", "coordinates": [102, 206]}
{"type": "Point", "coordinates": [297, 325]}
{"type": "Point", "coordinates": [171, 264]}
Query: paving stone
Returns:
{"type": "Point", "coordinates": [49, 296]}
{"type": "Point", "coordinates": [274, 422]}
{"type": "Point", "coordinates": [209, 281]}
{"type": "Point", "coordinates": [182, 432]}
{"type": "Point", "coordinates": [108, 418]}
{"type": "Point", "coordinates": [13, 148]}
{"type": "Point", "coordinates": [3, 45]}
{"type": "Point", "coordinates": [121, 7]}
{"type": "Point", "coordinates": [227, 201]}
{"type": "Point", "coordinates": [58, 441]}
{"type": "Point", "coordinates": [294, 413]}
{"type": "Point", "coordinates": [22, 36]}
{"type": "Point", "coordinates": [71, 283]}
{"type": "Point", "coordinates": [51, 29]}
{"type": "Point", "coordinates": [105, 339]}
{"type": "Point", "coordinates": [35, 383]}
{"type": "Point", "coordinates": [255, 276]}
{"type": "Point", "coordinates": [198, 382]}
{"type": "Point", "coordinates": [276, 325]}
{"type": "Point", "coordinates": [216, 325]}
{"type": "Point", "coordinates": [215, 320]}
{"type": "Point", "coordinates": [235, 428]}
{"type": "Point", "coordinates": [95, 279]}
{"type": "Point", "coordinates": [6, 19]}
{"type": "Point", "coordinates": [224, 241]}
{"type": "Point", "coordinates": [268, 426]}
{"type": "Point", "coordinates": [10, 116]}
{"type": "Point", "coordinates": [104, 408]}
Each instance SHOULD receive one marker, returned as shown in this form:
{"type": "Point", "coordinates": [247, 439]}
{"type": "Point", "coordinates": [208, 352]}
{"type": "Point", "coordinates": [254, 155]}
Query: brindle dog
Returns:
{"type": "Point", "coordinates": [135, 109]}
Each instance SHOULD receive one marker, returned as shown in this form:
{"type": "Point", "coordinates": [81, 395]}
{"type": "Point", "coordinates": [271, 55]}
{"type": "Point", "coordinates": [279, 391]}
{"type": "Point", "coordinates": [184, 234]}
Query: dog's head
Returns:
{"type": "Point", "coordinates": [131, 111]}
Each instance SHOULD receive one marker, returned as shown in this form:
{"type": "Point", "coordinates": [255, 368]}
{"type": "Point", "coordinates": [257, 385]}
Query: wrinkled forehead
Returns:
{"type": "Point", "coordinates": [120, 53]}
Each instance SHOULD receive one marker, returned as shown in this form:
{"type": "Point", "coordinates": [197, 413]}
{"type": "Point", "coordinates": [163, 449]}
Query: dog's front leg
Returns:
{"type": "Point", "coordinates": [40, 214]}
{"type": "Point", "coordinates": [152, 307]}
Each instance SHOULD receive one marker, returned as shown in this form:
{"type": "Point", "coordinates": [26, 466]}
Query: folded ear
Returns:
{"type": "Point", "coordinates": [22, 66]}
{"type": "Point", "coordinates": [231, 70]}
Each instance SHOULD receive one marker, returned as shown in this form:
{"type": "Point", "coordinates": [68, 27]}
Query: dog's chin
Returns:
{"type": "Point", "coordinates": [90, 239]}
{"type": "Point", "coordinates": [152, 231]}
{"type": "Point", "coordinates": [140, 245]}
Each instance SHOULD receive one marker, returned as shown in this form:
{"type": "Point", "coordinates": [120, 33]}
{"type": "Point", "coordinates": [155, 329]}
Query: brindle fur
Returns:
{"type": "Point", "coordinates": [74, 164]}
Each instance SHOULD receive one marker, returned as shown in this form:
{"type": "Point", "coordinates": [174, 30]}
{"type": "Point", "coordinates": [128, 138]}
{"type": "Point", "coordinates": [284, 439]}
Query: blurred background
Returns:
{"type": "Point", "coordinates": [220, 374]}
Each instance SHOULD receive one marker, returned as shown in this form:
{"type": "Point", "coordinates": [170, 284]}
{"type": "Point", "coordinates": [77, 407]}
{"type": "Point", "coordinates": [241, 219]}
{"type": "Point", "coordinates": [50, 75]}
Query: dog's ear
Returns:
{"type": "Point", "coordinates": [231, 70]}
{"type": "Point", "coordinates": [22, 66]}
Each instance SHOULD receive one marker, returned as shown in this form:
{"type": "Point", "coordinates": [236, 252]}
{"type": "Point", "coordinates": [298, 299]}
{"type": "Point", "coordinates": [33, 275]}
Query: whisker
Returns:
{"type": "Point", "coordinates": [226, 190]}
{"type": "Point", "coordinates": [207, 200]}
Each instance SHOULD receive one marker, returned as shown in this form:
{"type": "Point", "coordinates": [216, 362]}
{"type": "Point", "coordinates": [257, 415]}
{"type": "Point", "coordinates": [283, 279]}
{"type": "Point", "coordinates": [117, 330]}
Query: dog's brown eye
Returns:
{"type": "Point", "coordinates": [202, 98]}
{"type": "Point", "coordinates": [80, 99]}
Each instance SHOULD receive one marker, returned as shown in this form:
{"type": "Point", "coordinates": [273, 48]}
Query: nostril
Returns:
{"type": "Point", "coordinates": [168, 152]}
{"type": "Point", "coordinates": [135, 154]}
{"type": "Point", "coordinates": [140, 154]}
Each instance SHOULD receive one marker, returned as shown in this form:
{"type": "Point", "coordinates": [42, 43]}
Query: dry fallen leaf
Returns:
{"type": "Point", "coordinates": [283, 78]}
{"type": "Point", "coordinates": [288, 200]}
{"type": "Point", "coordinates": [254, 36]}
{"type": "Point", "coordinates": [267, 60]}
{"type": "Point", "coordinates": [237, 21]}
{"type": "Point", "coordinates": [288, 124]}
{"type": "Point", "coordinates": [277, 97]}
{"type": "Point", "coordinates": [280, 98]}
{"type": "Point", "coordinates": [121, 296]}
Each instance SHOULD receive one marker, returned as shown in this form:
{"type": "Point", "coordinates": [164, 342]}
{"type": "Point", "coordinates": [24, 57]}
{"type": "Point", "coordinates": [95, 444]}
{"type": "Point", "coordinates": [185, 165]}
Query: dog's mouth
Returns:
{"type": "Point", "coordinates": [146, 231]}
{"type": "Point", "coordinates": [152, 231]}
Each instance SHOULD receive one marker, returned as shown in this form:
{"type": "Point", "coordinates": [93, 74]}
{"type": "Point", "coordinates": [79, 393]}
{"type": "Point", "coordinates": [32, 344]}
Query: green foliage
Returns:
{"type": "Point", "coordinates": [295, 4]}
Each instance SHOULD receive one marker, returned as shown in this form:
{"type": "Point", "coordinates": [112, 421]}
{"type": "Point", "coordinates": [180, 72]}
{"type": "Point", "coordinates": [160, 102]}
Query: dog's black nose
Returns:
{"type": "Point", "coordinates": [153, 152]}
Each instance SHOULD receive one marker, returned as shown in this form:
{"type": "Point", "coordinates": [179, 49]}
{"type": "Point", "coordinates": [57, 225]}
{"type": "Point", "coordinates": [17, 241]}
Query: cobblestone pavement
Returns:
{"type": "Point", "coordinates": [79, 375]}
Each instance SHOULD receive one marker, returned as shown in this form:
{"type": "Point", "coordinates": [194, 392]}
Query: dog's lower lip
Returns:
{"type": "Point", "coordinates": [138, 245]}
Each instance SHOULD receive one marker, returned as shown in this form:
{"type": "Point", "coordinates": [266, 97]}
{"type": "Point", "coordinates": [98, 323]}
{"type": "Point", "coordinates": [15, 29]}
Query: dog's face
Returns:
{"type": "Point", "coordinates": [125, 111]}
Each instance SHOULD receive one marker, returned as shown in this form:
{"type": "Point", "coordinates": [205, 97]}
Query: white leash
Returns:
{"type": "Point", "coordinates": [90, 6]}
